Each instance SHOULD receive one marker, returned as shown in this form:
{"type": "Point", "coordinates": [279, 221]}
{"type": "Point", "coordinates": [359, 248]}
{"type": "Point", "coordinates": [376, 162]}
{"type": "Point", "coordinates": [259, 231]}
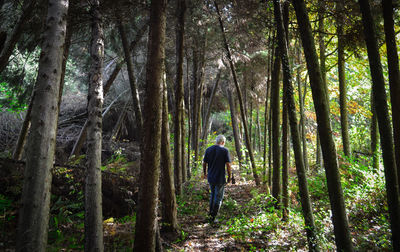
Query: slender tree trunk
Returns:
{"type": "Point", "coordinates": [300, 168]}
{"type": "Point", "coordinates": [167, 192]}
{"type": "Point", "coordinates": [251, 124]}
{"type": "Point", "coordinates": [210, 102]}
{"type": "Point", "coordinates": [321, 104]}
{"type": "Point", "coordinates": [394, 77]}
{"type": "Point", "coordinates": [189, 116]}
{"type": "Point", "coordinates": [374, 136]}
{"type": "Point", "coordinates": [34, 214]}
{"type": "Point", "coordinates": [302, 117]}
{"type": "Point", "coordinates": [93, 199]}
{"type": "Point", "coordinates": [385, 130]}
{"type": "Point", "coordinates": [179, 97]}
{"type": "Point", "coordinates": [133, 86]}
{"type": "Point", "coordinates": [146, 220]}
{"type": "Point", "coordinates": [285, 119]}
{"type": "Point", "coordinates": [270, 144]}
{"type": "Point", "coordinates": [248, 144]}
{"type": "Point", "coordinates": [267, 110]}
{"type": "Point", "coordinates": [199, 98]}
{"type": "Point", "coordinates": [285, 156]}
{"type": "Point", "coordinates": [342, 79]}
{"type": "Point", "coordinates": [258, 131]}
{"type": "Point", "coordinates": [27, 9]}
{"type": "Point", "coordinates": [276, 153]}
{"type": "Point", "coordinates": [235, 127]}
{"type": "Point", "coordinates": [322, 57]}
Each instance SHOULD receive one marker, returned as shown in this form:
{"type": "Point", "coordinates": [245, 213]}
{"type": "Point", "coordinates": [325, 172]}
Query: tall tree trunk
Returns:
{"type": "Point", "coordinates": [235, 127]}
{"type": "Point", "coordinates": [243, 115]}
{"type": "Point", "coordinates": [34, 214]}
{"type": "Point", "coordinates": [302, 117]}
{"type": "Point", "coordinates": [267, 109]}
{"type": "Point", "coordinates": [285, 155]}
{"type": "Point", "coordinates": [133, 86]}
{"type": "Point", "coordinates": [199, 98]}
{"type": "Point", "coordinates": [342, 79]}
{"type": "Point", "coordinates": [189, 117]}
{"type": "Point", "coordinates": [374, 136]}
{"type": "Point", "coordinates": [321, 104]}
{"type": "Point", "coordinates": [300, 168]}
{"type": "Point", "coordinates": [270, 144]}
{"type": "Point", "coordinates": [385, 130]}
{"type": "Point", "coordinates": [210, 102]}
{"type": "Point", "coordinates": [258, 131]}
{"type": "Point", "coordinates": [167, 188]}
{"type": "Point", "coordinates": [93, 199]}
{"type": "Point", "coordinates": [179, 97]}
{"type": "Point", "coordinates": [285, 119]}
{"type": "Point", "coordinates": [322, 57]}
{"type": "Point", "coordinates": [276, 153]}
{"type": "Point", "coordinates": [394, 77]}
{"type": "Point", "coordinates": [146, 220]}
{"type": "Point", "coordinates": [27, 9]}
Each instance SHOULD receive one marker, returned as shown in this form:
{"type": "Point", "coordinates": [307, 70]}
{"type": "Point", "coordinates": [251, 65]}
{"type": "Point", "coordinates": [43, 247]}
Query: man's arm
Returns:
{"type": "Point", "coordinates": [205, 169]}
{"type": "Point", "coordinates": [229, 170]}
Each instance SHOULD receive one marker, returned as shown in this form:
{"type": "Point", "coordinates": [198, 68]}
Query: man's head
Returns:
{"type": "Point", "coordinates": [220, 140]}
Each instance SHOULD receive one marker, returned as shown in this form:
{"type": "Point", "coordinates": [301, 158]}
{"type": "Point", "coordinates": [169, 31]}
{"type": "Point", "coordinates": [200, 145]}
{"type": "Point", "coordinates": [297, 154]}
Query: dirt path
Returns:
{"type": "Point", "coordinates": [203, 236]}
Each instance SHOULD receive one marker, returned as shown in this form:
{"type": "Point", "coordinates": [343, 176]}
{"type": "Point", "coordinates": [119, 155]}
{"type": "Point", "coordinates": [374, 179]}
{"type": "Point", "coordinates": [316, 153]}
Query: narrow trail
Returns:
{"type": "Point", "coordinates": [203, 236]}
{"type": "Point", "coordinates": [247, 221]}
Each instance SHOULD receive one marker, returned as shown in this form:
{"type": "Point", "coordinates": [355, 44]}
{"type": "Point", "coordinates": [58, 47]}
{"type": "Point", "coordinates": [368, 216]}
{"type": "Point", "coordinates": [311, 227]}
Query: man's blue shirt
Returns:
{"type": "Point", "coordinates": [216, 157]}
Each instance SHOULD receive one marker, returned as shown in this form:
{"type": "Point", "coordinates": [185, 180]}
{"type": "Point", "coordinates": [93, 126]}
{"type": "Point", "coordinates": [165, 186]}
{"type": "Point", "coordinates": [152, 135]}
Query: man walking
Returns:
{"type": "Point", "coordinates": [216, 158]}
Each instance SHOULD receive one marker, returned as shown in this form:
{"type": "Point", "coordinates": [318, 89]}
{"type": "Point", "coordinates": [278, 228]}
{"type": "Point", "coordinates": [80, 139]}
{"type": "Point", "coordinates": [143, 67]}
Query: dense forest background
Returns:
{"type": "Point", "coordinates": [106, 108]}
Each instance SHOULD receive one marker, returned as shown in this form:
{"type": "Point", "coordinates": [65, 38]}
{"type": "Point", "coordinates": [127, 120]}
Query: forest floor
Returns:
{"type": "Point", "coordinates": [248, 218]}
{"type": "Point", "coordinates": [247, 221]}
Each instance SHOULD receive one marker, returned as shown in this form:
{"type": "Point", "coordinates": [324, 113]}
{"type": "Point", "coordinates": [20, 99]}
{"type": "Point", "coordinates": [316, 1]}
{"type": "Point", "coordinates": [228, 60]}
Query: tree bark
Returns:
{"type": "Point", "coordinates": [93, 199]}
{"type": "Point", "coordinates": [374, 136]}
{"type": "Point", "coordinates": [276, 153]}
{"type": "Point", "coordinates": [321, 104]}
{"type": "Point", "coordinates": [235, 128]}
{"type": "Point", "coordinates": [167, 188]}
{"type": "Point", "coordinates": [146, 220]}
{"type": "Point", "coordinates": [394, 77]}
{"type": "Point", "coordinates": [322, 57]}
{"type": "Point", "coordinates": [27, 9]}
{"type": "Point", "coordinates": [34, 214]}
{"type": "Point", "coordinates": [342, 79]}
{"type": "Point", "coordinates": [134, 89]}
{"type": "Point", "coordinates": [267, 110]}
{"type": "Point", "coordinates": [302, 117]}
{"type": "Point", "coordinates": [243, 115]}
{"type": "Point", "coordinates": [179, 97]}
{"type": "Point", "coordinates": [385, 130]}
{"type": "Point", "coordinates": [300, 168]}
{"type": "Point", "coordinates": [199, 97]}
{"type": "Point", "coordinates": [285, 119]}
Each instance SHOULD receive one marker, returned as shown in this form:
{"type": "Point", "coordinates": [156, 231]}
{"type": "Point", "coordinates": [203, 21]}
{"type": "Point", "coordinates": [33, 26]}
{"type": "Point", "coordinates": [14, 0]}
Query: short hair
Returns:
{"type": "Point", "coordinates": [220, 139]}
